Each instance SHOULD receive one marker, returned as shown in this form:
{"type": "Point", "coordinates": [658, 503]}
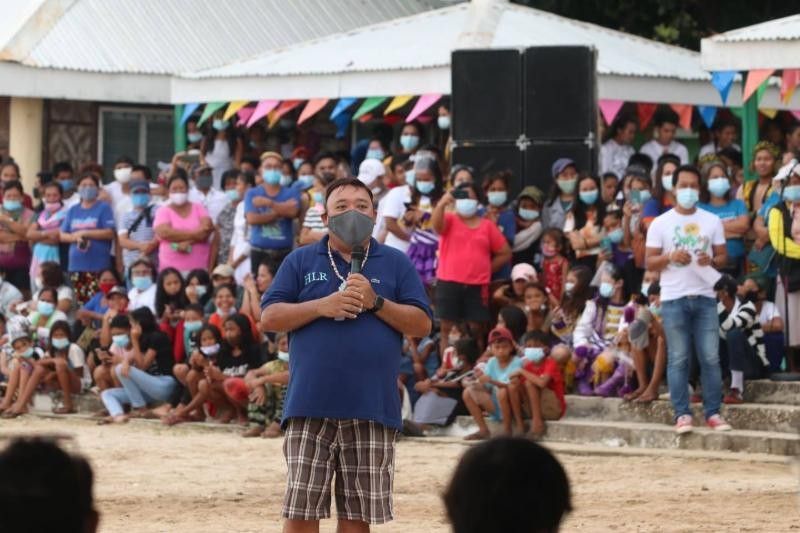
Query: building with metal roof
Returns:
{"type": "Point", "coordinates": [773, 44]}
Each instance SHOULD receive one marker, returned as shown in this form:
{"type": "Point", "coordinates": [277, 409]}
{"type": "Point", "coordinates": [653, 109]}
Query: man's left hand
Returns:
{"type": "Point", "coordinates": [703, 259]}
{"type": "Point", "coordinates": [364, 288]}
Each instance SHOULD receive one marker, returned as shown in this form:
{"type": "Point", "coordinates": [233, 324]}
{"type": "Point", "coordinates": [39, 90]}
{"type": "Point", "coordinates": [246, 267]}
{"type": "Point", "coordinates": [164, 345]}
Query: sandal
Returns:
{"type": "Point", "coordinates": [64, 411]}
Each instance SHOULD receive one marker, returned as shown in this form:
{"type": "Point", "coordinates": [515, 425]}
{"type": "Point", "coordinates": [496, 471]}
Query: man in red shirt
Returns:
{"type": "Point", "coordinates": [543, 383]}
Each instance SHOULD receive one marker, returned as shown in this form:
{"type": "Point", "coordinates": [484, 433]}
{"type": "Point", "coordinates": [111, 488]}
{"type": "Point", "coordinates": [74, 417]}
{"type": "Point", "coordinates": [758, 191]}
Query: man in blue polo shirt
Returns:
{"type": "Point", "coordinates": [269, 210]}
{"type": "Point", "coordinates": [342, 410]}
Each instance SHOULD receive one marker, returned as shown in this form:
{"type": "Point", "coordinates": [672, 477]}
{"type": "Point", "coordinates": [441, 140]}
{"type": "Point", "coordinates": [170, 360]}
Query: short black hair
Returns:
{"type": "Point", "coordinates": [686, 168]}
{"type": "Point", "coordinates": [468, 348]}
{"type": "Point", "coordinates": [665, 116]}
{"type": "Point", "coordinates": [13, 184]}
{"type": "Point", "coordinates": [62, 166]}
{"type": "Point", "coordinates": [120, 322]}
{"type": "Point", "coordinates": [36, 474]}
{"type": "Point", "coordinates": [522, 483]}
{"type": "Point", "coordinates": [231, 174]}
{"type": "Point", "coordinates": [253, 161]}
{"type": "Point", "coordinates": [654, 289]}
{"type": "Point", "coordinates": [347, 182]}
{"type": "Point", "coordinates": [144, 169]}
{"type": "Point", "coordinates": [536, 335]}
{"type": "Point", "coordinates": [726, 283]}
{"type": "Point", "coordinates": [124, 159]}
{"type": "Point", "coordinates": [324, 155]}
{"type": "Point", "coordinates": [641, 160]}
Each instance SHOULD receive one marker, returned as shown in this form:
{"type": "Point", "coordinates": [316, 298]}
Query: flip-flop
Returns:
{"type": "Point", "coordinates": [64, 411]}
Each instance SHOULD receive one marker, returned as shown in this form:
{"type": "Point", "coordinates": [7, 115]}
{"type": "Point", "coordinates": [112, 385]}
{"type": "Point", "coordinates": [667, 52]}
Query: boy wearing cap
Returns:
{"type": "Point", "coordinates": [492, 391]}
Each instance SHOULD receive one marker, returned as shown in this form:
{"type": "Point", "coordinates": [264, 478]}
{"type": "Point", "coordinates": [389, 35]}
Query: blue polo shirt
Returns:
{"type": "Point", "coordinates": [348, 368]}
{"type": "Point", "coordinates": [275, 236]}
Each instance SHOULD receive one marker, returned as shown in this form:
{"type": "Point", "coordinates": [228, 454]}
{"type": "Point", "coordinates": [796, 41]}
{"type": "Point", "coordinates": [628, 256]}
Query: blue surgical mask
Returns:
{"type": "Point", "coordinates": [569, 287]}
{"type": "Point", "coordinates": [297, 162]}
{"type": "Point", "coordinates": [534, 354]}
{"type": "Point", "coordinates": [194, 137]}
{"type": "Point", "coordinates": [283, 356]}
{"type": "Point", "coordinates": [319, 197]}
{"type": "Point", "coordinates": [67, 185]}
{"type": "Point", "coordinates": [375, 153]}
{"type": "Point", "coordinates": [666, 182]}
{"type": "Point", "coordinates": [272, 176]}
{"type": "Point", "coordinates": [142, 283]}
{"type": "Point", "coordinates": [285, 180]}
{"type": "Point", "coordinates": [219, 124]}
{"type": "Point", "coordinates": [411, 178]}
{"type": "Point", "coordinates": [719, 186]}
{"type": "Point", "coordinates": [191, 326]}
{"type": "Point", "coordinates": [233, 195]}
{"type": "Point", "coordinates": [687, 198]}
{"type": "Point", "coordinates": [122, 340]}
{"type": "Point", "coordinates": [200, 290]}
{"type": "Point", "coordinates": [644, 289]}
{"type": "Point", "coordinates": [425, 187]}
{"type": "Point", "coordinates": [45, 308]}
{"type": "Point", "coordinates": [606, 289]}
{"type": "Point", "coordinates": [655, 310]}
{"type": "Point", "coordinates": [88, 194]}
{"type": "Point", "coordinates": [528, 214]}
{"type": "Point", "coordinates": [140, 199]}
{"type": "Point", "coordinates": [616, 235]}
{"type": "Point", "coordinates": [307, 180]}
{"type": "Point", "coordinates": [27, 353]}
{"type": "Point", "coordinates": [567, 186]}
{"type": "Point", "coordinates": [640, 196]}
{"type": "Point", "coordinates": [60, 343]}
{"type": "Point", "coordinates": [791, 193]}
{"type": "Point", "coordinates": [466, 207]}
{"type": "Point", "coordinates": [409, 142]}
{"type": "Point", "coordinates": [497, 198]}
{"type": "Point", "coordinates": [588, 197]}
{"type": "Point", "coordinates": [12, 205]}
{"type": "Point", "coordinates": [443, 122]}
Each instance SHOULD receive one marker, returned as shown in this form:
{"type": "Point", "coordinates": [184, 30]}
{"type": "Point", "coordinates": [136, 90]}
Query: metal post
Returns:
{"type": "Point", "coordinates": [749, 134]}
{"type": "Point", "coordinates": [179, 132]}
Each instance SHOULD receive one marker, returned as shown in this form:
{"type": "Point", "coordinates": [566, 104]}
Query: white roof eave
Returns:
{"type": "Point", "coordinates": [748, 55]}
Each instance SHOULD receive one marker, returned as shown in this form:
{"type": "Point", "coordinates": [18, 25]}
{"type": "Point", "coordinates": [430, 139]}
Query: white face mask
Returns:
{"type": "Point", "coordinates": [283, 356]}
{"type": "Point", "coordinates": [178, 198]}
{"type": "Point", "coordinates": [123, 175]}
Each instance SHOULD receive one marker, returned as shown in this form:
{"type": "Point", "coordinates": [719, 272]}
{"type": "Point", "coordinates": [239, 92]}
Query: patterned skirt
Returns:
{"type": "Point", "coordinates": [85, 285]}
{"type": "Point", "coordinates": [423, 252]}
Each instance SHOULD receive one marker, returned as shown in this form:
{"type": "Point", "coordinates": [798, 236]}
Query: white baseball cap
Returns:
{"type": "Point", "coordinates": [370, 170]}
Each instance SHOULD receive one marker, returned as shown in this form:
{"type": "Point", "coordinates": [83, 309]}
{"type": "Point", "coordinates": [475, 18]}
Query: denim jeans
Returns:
{"type": "Point", "coordinates": [138, 390]}
{"type": "Point", "coordinates": [692, 321]}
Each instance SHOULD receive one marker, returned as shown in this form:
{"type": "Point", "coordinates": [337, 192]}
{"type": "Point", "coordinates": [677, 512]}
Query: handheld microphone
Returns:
{"type": "Point", "coordinates": [357, 259]}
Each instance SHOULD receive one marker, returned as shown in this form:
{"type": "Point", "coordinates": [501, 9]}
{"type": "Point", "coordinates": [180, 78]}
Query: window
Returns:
{"type": "Point", "coordinates": [145, 135]}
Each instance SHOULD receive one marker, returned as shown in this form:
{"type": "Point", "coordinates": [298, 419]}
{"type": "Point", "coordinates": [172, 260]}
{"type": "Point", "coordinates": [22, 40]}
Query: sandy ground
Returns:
{"type": "Point", "coordinates": [155, 479]}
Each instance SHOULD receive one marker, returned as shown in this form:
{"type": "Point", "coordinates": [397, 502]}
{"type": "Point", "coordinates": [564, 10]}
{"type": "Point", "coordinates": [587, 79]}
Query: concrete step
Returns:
{"type": "Point", "coordinates": [775, 392]}
{"type": "Point", "coordinates": [748, 416]}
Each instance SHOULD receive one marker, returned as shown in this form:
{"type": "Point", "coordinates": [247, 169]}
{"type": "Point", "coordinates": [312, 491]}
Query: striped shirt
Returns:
{"type": "Point", "coordinates": [313, 219]}
{"type": "Point", "coordinates": [745, 317]}
{"type": "Point", "coordinates": [143, 233]}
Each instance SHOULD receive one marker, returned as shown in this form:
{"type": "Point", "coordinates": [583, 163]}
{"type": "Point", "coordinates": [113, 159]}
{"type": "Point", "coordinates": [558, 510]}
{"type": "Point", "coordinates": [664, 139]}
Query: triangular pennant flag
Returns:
{"type": "Point", "coordinates": [211, 108]}
{"type": "Point", "coordinates": [684, 112]}
{"type": "Point", "coordinates": [789, 80]}
{"type": "Point", "coordinates": [244, 114]}
{"type": "Point", "coordinates": [233, 107]}
{"type": "Point", "coordinates": [397, 102]}
{"type": "Point", "coordinates": [368, 105]}
{"type": "Point", "coordinates": [737, 112]}
{"type": "Point", "coordinates": [754, 79]}
{"type": "Point", "coordinates": [342, 121]}
{"type": "Point", "coordinates": [708, 113]}
{"type": "Point", "coordinates": [769, 112]}
{"type": "Point", "coordinates": [796, 114]}
{"type": "Point", "coordinates": [188, 109]}
{"type": "Point", "coordinates": [645, 112]}
{"type": "Point", "coordinates": [609, 109]}
{"type": "Point", "coordinates": [261, 110]}
{"type": "Point", "coordinates": [762, 89]}
{"type": "Point", "coordinates": [312, 108]}
{"type": "Point", "coordinates": [282, 109]}
{"type": "Point", "coordinates": [723, 81]}
{"type": "Point", "coordinates": [424, 102]}
{"type": "Point", "coordinates": [341, 105]}
{"type": "Point", "coordinates": [364, 118]}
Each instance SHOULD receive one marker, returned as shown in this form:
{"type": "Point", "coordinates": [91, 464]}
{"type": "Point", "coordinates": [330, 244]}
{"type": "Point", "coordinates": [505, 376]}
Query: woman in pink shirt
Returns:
{"type": "Point", "coordinates": [183, 229]}
{"type": "Point", "coordinates": [470, 249]}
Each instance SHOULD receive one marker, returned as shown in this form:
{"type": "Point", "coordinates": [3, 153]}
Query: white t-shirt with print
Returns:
{"type": "Point", "coordinates": [392, 205]}
{"type": "Point", "coordinates": [695, 233]}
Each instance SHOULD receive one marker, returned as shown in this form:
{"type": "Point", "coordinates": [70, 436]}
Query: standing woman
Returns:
{"type": "Point", "coordinates": [183, 229]}
{"type": "Point", "coordinates": [88, 227]}
{"type": "Point", "coordinates": [562, 194]}
{"type": "Point", "coordinates": [765, 160]}
{"type": "Point", "coordinates": [44, 232]}
{"type": "Point", "coordinates": [15, 252]}
{"type": "Point", "coordinates": [424, 241]}
{"type": "Point", "coordinates": [222, 148]}
{"type": "Point", "coordinates": [498, 211]}
{"type": "Point", "coordinates": [662, 199]}
{"type": "Point", "coordinates": [716, 197]}
{"type": "Point", "coordinates": [470, 249]}
{"type": "Point", "coordinates": [584, 223]}
{"type": "Point", "coordinates": [239, 255]}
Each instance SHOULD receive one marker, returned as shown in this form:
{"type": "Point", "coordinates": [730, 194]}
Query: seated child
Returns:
{"type": "Point", "coordinates": [208, 346]}
{"type": "Point", "coordinates": [25, 355]}
{"type": "Point", "coordinates": [755, 287]}
{"type": "Point", "coordinates": [492, 391]}
{"type": "Point", "coordinates": [542, 392]}
{"type": "Point", "coordinates": [267, 386]}
{"type": "Point", "coordinates": [649, 353]}
{"type": "Point", "coordinates": [450, 358]}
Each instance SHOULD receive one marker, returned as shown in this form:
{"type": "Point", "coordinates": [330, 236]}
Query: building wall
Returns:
{"type": "Point", "coordinates": [4, 126]}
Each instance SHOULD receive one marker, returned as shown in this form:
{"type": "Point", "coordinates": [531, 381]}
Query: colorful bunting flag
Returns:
{"type": "Point", "coordinates": [708, 113]}
{"type": "Point", "coordinates": [645, 113]}
{"type": "Point", "coordinates": [282, 109]}
{"type": "Point", "coordinates": [610, 109]}
{"type": "Point", "coordinates": [796, 114]}
{"type": "Point", "coordinates": [754, 79]}
{"type": "Point", "coordinates": [342, 121]}
{"type": "Point", "coordinates": [312, 108]}
{"type": "Point", "coordinates": [789, 80]}
{"type": "Point", "coordinates": [425, 101]}
{"type": "Point", "coordinates": [368, 105]}
{"type": "Point", "coordinates": [684, 112]}
{"type": "Point", "coordinates": [188, 109]}
{"type": "Point", "coordinates": [738, 112]}
{"type": "Point", "coordinates": [723, 81]}
{"type": "Point", "coordinates": [397, 102]}
{"type": "Point", "coordinates": [341, 105]}
{"type": "Point", "coordinates": [762, 89]}
{"type": "Point", "coordinates": [769, 112]}
{"type": "Point", "coordinates": [233, 107]}
{"type": "Point", "coordinates": [210, 109]}
{"type": "Point", "coordinates": [244, 114]}
{"type": "Point", "coordinates": [261, 110]}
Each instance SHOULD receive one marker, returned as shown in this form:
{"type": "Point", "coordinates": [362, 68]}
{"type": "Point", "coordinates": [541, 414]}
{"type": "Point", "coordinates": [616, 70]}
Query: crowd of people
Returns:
{"type": "Point", "coordinates": [147, 289]}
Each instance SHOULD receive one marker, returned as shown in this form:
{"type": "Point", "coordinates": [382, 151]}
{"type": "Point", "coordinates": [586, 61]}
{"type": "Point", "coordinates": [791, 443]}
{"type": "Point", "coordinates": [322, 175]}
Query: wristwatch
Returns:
{"type": "Point", "coordinates": [378, 304]}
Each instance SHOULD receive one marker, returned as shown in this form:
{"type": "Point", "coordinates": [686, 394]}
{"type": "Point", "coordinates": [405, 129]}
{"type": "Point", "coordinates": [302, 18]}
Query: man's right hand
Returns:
{"type": "Point", "coordinates": [341, 304]}
{"type": "Point", "coordinates": [680, 257]}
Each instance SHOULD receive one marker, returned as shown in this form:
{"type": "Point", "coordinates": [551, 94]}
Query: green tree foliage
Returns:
{"type": "Point", "coordinates": [680, 22]}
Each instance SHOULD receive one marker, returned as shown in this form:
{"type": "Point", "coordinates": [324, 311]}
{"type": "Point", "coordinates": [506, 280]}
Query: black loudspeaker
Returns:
{"type": "Point", "coordinates": [539, 157]}
{"type": "Point", "coordinates": [487, 95]}
{"type": "Point", "coordinates": [488, 158]}
{"type": "Point", "coordinates": [560, 93]}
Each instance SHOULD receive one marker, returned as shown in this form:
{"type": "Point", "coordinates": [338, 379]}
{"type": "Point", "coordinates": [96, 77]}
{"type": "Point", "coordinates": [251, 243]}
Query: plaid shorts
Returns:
{"type": "Point", "coordinates": [359, 452]}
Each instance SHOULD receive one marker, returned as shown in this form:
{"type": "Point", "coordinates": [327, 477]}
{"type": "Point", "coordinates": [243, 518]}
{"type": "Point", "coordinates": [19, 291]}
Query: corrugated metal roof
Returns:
{"type": "Point", "coordinates": [784, 29]}
{"type": "Point", "coordinates": [427, 39]}
{"type": "Point", "coordinates": [174, 36]}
